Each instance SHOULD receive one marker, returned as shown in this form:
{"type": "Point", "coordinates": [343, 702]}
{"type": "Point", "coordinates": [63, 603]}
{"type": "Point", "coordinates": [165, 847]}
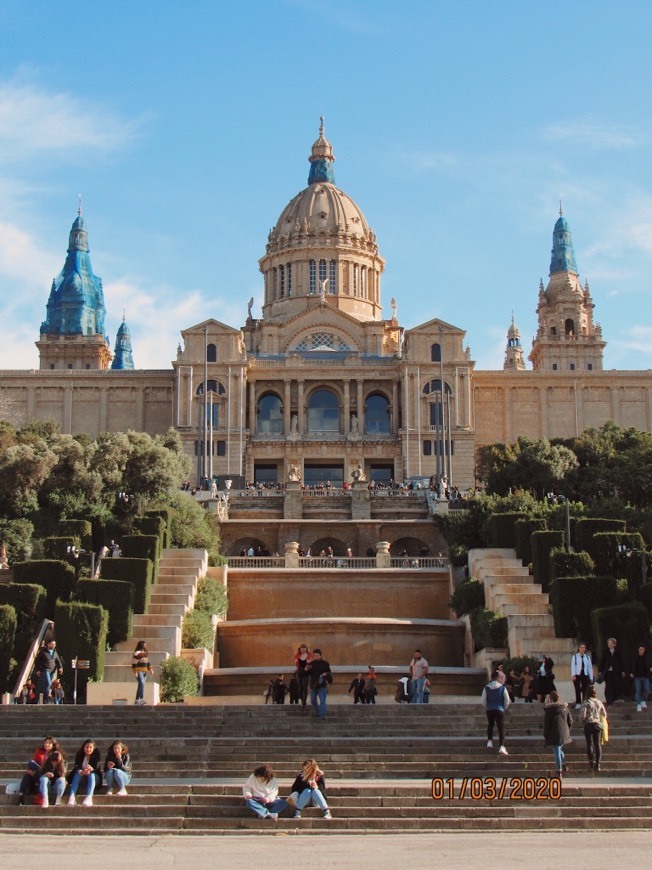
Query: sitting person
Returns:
{"type": "Point", "coordinates": [309, 788]}
{"type": "Point", "coordinates": [52, 775]}
{"type": "Point", "coordinates": [29, 783]}
{"type": "Point", "coordinates": [117, 768]}
{"type": "Point", "coordinates": [87, 770]}
{"type": "Point", "coordinates": [260, 793]}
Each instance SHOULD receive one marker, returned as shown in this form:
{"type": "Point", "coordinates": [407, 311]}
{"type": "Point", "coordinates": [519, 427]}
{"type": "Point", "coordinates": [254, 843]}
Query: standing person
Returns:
{"type": "Point", "coordinates": [594, 717]}
{"type": "Point", "coordinates": [557, 724]}
{"type": "Point", "coordinates": [87, 770]}
{"type": "Point", "coordinates": [294, 690]}
{"type": "Point", "coordinates": [310, 788]}
{"type": "Point", "coordinates": [140, 668]}
{"type": "Point", "coordinates": [495, 699]}
{"type": "Point", "coordinates": [418, 674]}
{"type": "Point", "coordinates": [57, 693]}
{"type": "Point", "coordinates": [260, 793]}
{"type": "Point", "coordinates": [280, 690]}
{"type": "Point", "coordinates": [612, 670]}
{"type": "Point", "coordinates": [47, 664]}
{"type": "Point", "coordinates": [640, 673]}
{"type": "Point", "coordinates": [269, 691]}
{"type": "Point", "coordinates": [117, 768]}
{"type": "Point", "coordinates": [545, 678]}
{"type": "Point", "coordinates": [320, 674]}
{"type": "Point", "coordinates": [357, 687]}
{"type": "Point", "coordinates": [427, 686]}
{"type": "Point", "coordinates": [370, 689]}
{"type": "Point", "coordinates": [52, 775]}
{"type": "Point", "coordinates": [302, 659]}
{"type": "Point", "coordinates": [581, 674]}
{"type": "Point", "coordinates": [526, 685]}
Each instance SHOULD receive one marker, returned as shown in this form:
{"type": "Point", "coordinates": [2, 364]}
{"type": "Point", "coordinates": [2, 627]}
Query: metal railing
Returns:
{"type": "Point", "coordinates": [45, 632]}
{"type": "Point", "coordinates": [415, 562]}
{"type": "Point", "coordinates": [256, 562]}
{"type": "Point", "coordinates": [337, 562]}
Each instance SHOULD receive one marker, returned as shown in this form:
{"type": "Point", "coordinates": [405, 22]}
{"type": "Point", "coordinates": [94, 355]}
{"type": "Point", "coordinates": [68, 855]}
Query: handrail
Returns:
{"type": "Point", "coordinates": [45, 632]}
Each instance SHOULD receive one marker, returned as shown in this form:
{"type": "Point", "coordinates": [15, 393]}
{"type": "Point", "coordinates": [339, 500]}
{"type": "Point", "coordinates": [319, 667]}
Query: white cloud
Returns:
{"type": "Point", "coordinates": [592, 134]}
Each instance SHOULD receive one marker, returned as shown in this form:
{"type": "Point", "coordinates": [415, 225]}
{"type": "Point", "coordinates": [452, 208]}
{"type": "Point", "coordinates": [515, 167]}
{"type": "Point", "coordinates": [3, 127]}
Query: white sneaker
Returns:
{"type": "Point", "coordinates": [327, 814]}
{"type": "Point", "coordinates": [638, 708]}
{"type": "Point", "coordinates": [46, 802]}
{"type": "Point", "coordinates": [644, 705]}
{"type": "Point", "coordinates": [109, 791]}
{"type": "Point", "coordinates": [578, 706]}
{"type": "Point", "coordinates": [503, 751]}
{"type": "Point", "coordinates": [71, 800]}
{"type": "Point", "coordinates": [490, 744]}
{"type": "Point", "coordinates": [272, 816]}
{"type": "Point", "coordinates": [121, 792]}
{"type": "Point", "coordinates": [59, 801]}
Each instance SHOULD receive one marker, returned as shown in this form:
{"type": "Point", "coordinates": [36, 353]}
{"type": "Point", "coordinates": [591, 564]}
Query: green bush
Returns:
{"type": "Point", "coordinates": [136, 571]}
{"type": "Point", "coordinates": [117, 598]}
{"type": "Point", "coordinates": [197, 630]}
{"type": "Point", "coordinates": [178, 680]}
{"type": "Point", "coordinates": [565, 564]}
{"type": "Point", "coordinates": [608, 559]}
{"type": "Point", "coordinates": [56, 576]}
{"type": "Point", "coordinates": [166, 515]}
{"type": "Point", "coordinates": [140, 547]}
{"type": "Point", "coordinates": [81, 631]}
{"type": "Point", "coordinates": [81, 529]}
{"type": "Point", "coordinates": [17, 538]}
{"type": "Point", "coordinates": [502, 529]}
{"type": "Point", "coordinates": [151, 526]}
{"type": "Point", "coordinates": [518, 663]}
{"type": "Point", "coordinates": [542, 545]}
{"type": "Point", "coordinates": [28, 600]}
{"type": "Point", "coordinates": [458, 555]}
{"type": "Point", "coordinates": [585, 528]}
{"type": "Point", "coordinates": [574, 598]}
{"type": "Point", "coordinates": [628, 623]}
{"type": "Point", "coordinates": [524, 530]}
{"type": "Point", "coordinates": [58, 548]}
{"type": "Point", "coordinates": [211, 596]}
{"type": "Point", "coordinates": [8, 623]}
{"type": "Point", "coordinates": [467, 596]}
{"type": "Point", "coordinates": [489, 629]}
{"type": "Point", "coordinates": [646, 598]}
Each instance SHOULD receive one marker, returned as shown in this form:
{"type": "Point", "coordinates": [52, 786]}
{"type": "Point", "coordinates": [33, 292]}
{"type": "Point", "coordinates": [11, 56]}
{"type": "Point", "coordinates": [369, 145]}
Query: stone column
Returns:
{"type": "Point", "coordinates": [395, 414]}
{"type": "Point", "coordinates": [292, 505]}
{"type": "Point", "coordinates": [253, 427]}
{"type": "Point", "coordinates": [347, 406]}
{"type": "Point", "coordinates": [360, 405]}
{"type": "Point", "coordinates": [287, 420]}
{"type": "Point", "coordinates": [300, 408]}
{"type": "Point", "coordinates": [291, 554]}
{"type": "Point", "coordinates": [360, 501]}
{"type": "Point", "coordinates": [383, 556]}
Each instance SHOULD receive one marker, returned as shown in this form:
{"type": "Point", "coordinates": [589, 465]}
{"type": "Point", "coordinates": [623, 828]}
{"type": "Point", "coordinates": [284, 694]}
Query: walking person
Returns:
{"type": "Point", "coordinates": [140, 668]}
{"type": "Point", "coordinates": [581, 674]}
{"type": "Point", "coordinates": [357, 687]}
{"type": "Point", "coordinates": [594, 717]}
{"type": "Point", "coordinates": [557, 724]}
{"type": "Point", "coordinates": [47, 666]}
{"type": "Point", "coordinates": [309, 788]}
{"type": "Point", "coordinates": [613, 671]}
{"type": "Point", "coordinates": [320, 675]}
{"type": "Point", "coordinates": [418, 674]}
{"type": "Point", "coordinates": [87, 771]}
{"type": "Point", "coordinates": [640, 673]}
{"type": "Point", "coordinates": [117, 768]}
{"type": "Point", "coordinates": [260, 793]}
{"type": "Point", "coordinates": [302, 659]}
{"type": "Point", "coordinates": [495, 699]}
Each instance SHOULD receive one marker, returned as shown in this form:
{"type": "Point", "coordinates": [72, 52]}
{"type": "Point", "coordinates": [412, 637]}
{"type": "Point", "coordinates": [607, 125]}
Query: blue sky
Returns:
{"type": "Point", "coordinates": [457, 127]}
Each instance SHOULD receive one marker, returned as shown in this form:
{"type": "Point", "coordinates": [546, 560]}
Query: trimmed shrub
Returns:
{"type": "Point", "coordinates": [565, 564]}
{"type": "Point", "coordinates": [140, 547]}
{"type": "Point", "coordinates": [56, 576]}
{"type": "Point", "coordinates": [489, 629]}
{"type": "Point", "coordinates": [151, 526]}
{"type": "Point", "coordinates": [81, 631]}
{"type": "Point", "coordinates": [81, 529]}
{"type": "Point", "coordinates": [628, 623]}
{"type": "Point", "coordinates": [543, 543]}
{"type": "Point", "coordinates": [573, 599]}
{"type": "Point", "coordinates": [609, 561]}
{"type": "Point", "coordinates": [458, 555]}
{"type": "Point", "coordinates": [17, 538]}
{"type": "Point", "coordinates": [8, 623]}
{"type": "Point", "coordinates": [211, 597]}
{"type": "Point", "coordinates": [197, 630]}
{"type": "Point", "coordinates": [502, 529]}
{"type": "Point", "coordinates": [178, 680]}
{"type": "Point", "coordinates": [166, 515]}
{"type": "Point", "coordinates": [28, 601]}
{"type": "Point", "coordinates": [585, 528]}
{"type": "Point", "coordinates": [524, 530]}
{"type": "Point", "coordinates": [467, 596]}
{"type": "Point", "coordinates": [117, 598]}
{"type": "Point", "coordinates": [57, 548]}
{"type": "Point", "coordinates": [646, 598]}
{"type": "Point", "coordinates": [136, 571]}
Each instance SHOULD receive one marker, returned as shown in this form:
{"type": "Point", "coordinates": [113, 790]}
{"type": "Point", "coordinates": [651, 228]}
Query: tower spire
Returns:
{"type": "Point", "coordinates": [321, 159]}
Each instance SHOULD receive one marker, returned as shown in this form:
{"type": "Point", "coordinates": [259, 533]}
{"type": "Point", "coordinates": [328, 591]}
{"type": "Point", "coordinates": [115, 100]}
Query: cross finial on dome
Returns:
{"type": "Point", "coordinates": [321, 125]}
{"type": "Point", "coordinates": [79, 207]}
{"type": "Point", "coordinates": [561, 210]}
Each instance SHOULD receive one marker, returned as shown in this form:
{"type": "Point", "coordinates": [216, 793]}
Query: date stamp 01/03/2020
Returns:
{"type": "Point", "coordinates": [478, 788]}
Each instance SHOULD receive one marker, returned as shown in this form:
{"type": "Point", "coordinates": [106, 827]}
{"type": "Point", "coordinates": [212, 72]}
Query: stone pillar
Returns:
{"type": "Point", "coordinates": [360, 405]}
{"type": "Point", "coordinates": [360, 501]}
{"type": "Point", "coordinates": [291, 554]}
{"type": "Point", "coordinates": [383, 556]}
{"type": "Point", "coordinates": [395, 414]}
{"type": "Point", "coordinates": [287, 419]}
{"type": "Point", "coordinates": [253, 421]}
{"type": "Point", "coordinates": [292, 506]}
{"type": "Point", "coordinates": [300, 408]}
{"type": "Point", "coordinates": [347, 406]}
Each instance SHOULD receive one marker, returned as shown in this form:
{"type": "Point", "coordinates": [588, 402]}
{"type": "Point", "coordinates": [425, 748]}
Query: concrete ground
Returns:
{"type": "Point", "coordinates": [458, 851]}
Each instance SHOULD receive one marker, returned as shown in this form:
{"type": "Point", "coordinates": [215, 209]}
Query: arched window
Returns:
{"type": "Point", "coordinates": [377, 419]}
{"type": "Point", "coordinates": [323, 412]}
{"type": "Point", "coordinates": [211, 353]}
{"type": "Point", "coordinates": [313, 276]}
{"type": "Point", "coordinates": [288, 269]}
{"type": "Point", "coordinates": [363, 282]}
{"type": "Point", "coordinates": [356, 279]}
{"type": "Point", "coordinates": [281, 276]}
{"type": "Point", "coordinates": [436, 406]}
{"type": "Point", "coordinates": [322, 271]}
{"type": "Point", "coordinates": [569, 327]}
{"type": "Point", "coordinates": [435, 352]}
{"type": "Point", "coordinates": [332, 277]}
{"type": "Point", "coordinates": [269, 415]}
{"type": "Point", "coordinates": [213, 387]}
{"type": "Point", "coordinates": [553, 330]}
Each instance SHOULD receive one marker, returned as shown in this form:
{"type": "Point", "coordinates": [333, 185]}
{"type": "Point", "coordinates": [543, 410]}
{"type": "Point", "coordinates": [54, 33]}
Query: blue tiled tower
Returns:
{"type": "Point", "coordinates": [123, 359]}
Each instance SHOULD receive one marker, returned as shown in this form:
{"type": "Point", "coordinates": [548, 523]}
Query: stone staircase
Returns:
{"type": "Point", "coordinates": [509, 588]}
{"type": "Point", "coordinates": [172, 596]}
{"type": "Point", "coordinates": [383, 765]}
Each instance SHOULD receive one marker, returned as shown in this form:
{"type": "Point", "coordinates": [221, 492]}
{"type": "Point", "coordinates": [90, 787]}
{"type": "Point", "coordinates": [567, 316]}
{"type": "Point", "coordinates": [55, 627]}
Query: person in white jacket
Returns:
{"type": "Point", "coordinates": [260, 793]}
{"type": "Point", "coordinates": [581, 674]}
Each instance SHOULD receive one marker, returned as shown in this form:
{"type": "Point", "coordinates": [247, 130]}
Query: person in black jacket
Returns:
{"type": "Point", "coordinates": [309, 788]}
{"type": "Point", "coordinates": [319, 674]}
{"type": "Point", "coordinates": [87, 770]}
{"type": "Point", "coordinates": [611, 668]}
{"type": "Point", "coordinates": [640, 673]}
{"type": "Point", "coordinates": [117, 767]}
{"type": "Point", "coordinates": [357, 687]}
{"type": "Point", "coordinates": [47, 665]}
{"type": "Point", "coordinates": [557, 724]}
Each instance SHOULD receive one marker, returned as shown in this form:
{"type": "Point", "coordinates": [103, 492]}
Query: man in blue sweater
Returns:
{"type": "Point", "coordinates": [495, 699]}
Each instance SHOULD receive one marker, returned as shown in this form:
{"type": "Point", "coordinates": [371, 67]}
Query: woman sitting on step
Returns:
{"type": "Point", "coordinates": [52, 775]}
{"type": "Point", "coordinates": [117, 768]}
{"type": "Point", "coordinates": [309, 788]}
{"type": "Point", "coordinates": [29, 784]}
{"type": "Point", "coordinates": [87, 770]}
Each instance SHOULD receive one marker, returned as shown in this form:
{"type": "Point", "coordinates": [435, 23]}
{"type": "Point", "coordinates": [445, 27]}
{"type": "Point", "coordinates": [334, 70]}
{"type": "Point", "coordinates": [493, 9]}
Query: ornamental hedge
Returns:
{"type": "Point", "coordinates": [584, 530]}
{"type": "Point", "coordinates": [166, 515]}
{"type": "Point", "coordinates": [136, 571]}
{"type": "Point", "coordinates": [574, 598]}
{"type": "Point", "coordinates": [56, 576]}
{"type": "Point", "coordinates": [565, 564]}
{"type": "Point", "coordinates": [467, 596]}
{"type": "Point", "coordinates": [178, 680]}
{"type": "Point", "coordinates": [502, 529]}
{"type": "Point", "coordinates": [8, 624]}
{"type": "Point", "coordinates": [609, 560]}
{"type": "Point", "coordinates": [152, 525]}
{"type": "Point", "coordinates": [81, 529]}
{"type": "Point", "coordinates": [81, 632]}
{"type": "Point", "coordinates": [58, 548]}
{"type": "Point", "coordinates": [117, 598]}
{"type": "Point", "coordinates": [489, 629]}
{"type": "Point", "coordinates": [628, 623]}
{"type": "Point", "coordinates": [28, 600]}
{"type": "Point", "coordinates": [524, 530]}
{"type": "Point", "coordinates": [543, 543]}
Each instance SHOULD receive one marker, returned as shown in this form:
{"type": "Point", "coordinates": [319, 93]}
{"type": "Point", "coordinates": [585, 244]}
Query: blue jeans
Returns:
{"type": "Point", "coordinates": [417, 690]}
{"type": "Point", "coordinates": [641, 688]}
{"type": "Point", "coordinates": [263, 810]}
{"type": "Point", "coordinates": [58, 785]}
{"type": "Point", "coordinates": [43, 686]}
{"type": "Point", "coordinates": [78, 777]}
{"type": "Point", "coordinates": [320, 692]}
{"type": "Point", "coordinates": [312, 796]}
{"type": "Point", "coordinates": [559, 756]}
{"type": "Point", "coordinates": [116, 778]}
{"type": "Point", "coordinates": [140, 691]}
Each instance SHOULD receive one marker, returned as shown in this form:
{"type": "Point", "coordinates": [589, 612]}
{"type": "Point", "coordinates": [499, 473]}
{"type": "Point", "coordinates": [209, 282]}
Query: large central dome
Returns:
{"type": "Point", "coordinates": [322, 248]}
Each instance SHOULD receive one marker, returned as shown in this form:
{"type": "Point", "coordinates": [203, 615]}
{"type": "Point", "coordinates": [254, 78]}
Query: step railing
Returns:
{"type": "Point", "coordinates": [44, 634]}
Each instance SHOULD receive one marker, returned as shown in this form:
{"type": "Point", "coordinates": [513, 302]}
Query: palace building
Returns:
{"type": "Point", "coordinates": [321, 382]}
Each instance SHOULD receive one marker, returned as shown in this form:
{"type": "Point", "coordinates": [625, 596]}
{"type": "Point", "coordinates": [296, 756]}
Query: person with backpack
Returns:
{"type": "Point", "coordinates": [495, 699]}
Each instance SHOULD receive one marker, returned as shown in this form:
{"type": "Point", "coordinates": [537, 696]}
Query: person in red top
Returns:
{"type": "Point", "coordinates": [302, 658]}
{"type": "Point", "coordinates": [29, 783]}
